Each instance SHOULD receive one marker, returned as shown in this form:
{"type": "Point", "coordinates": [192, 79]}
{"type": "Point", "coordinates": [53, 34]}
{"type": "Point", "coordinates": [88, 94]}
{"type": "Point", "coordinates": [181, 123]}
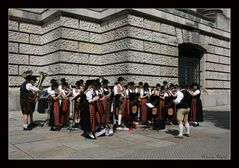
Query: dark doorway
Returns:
{"type": "Point", "coordinates": [189, 63]}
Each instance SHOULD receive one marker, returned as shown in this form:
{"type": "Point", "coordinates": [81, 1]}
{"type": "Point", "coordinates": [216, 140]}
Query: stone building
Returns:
{"type": "Point", "coordinates": [149, 45]}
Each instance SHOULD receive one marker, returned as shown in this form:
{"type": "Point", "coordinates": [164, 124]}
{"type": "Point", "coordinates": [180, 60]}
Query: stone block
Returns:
{"type": "Point", "coordinates": [214, 84]}
{"type": "Point", "coordinates": [160, 59]}
{"type": "Point", "coordinates": [212, 75]}
{"type": "Point", "coordinates": [52, 24]}
{"type": "Point", "coordinates": [224, 60]}
{"type": "Point", "coordinates": [18, 37]}
{"type": "Point", "coordinates": [152, 47]}
{"type": "Point", "coordinates": [52, 35]}
{"type": "Point", "coordinates": [142, 57]}
{"type": "Point", "coordinates": [219, 67]}
{"type": "Point", "coordinates": [23, 68]}
{"type": "Point", "coordinates": [51, 47]}
{"type": "Point", "coordinates": [107, 36]}
{"type": "Point", "coordinates": [69, 22]}
{"type": "Point", "coordinates": [135, 68]}
{"type": "Point", "coordinates": [89, 26]}
{"type": "Point", "coordinates": [73, 57]}
{"type": "Point", "coordinates": [185, 36]}
{"type": "Point", "coordinates": [226, 68]}
{"type": "Point", "coordinates": [226, 52]}
{"type": "Point", "coordinates": [13, 69]}
{"type": "Point", "coordinates": [223, 76]}
{"type": "Point", "coordinates": [95, 38]}
{"type": "Point", "coordinates": [210, 66]}
{"type": "Point", "coordinates": [169, 71]}
{"type": "Point", "coordinates": [114, 57]}
{"type": "Point", "coordinates": [136, 44]}
{"type": "Point", "coordinates": [15, 80]}
{"type": "Point", "coordinates": [121, 32]}
{"type": "Point", "coordinates": [53, 69]}
{"type": "Point", "coordinates": [161, 38]}
{"type": "Point", "coordinates": [30, 49]}
{"type": "Point", "coordinates": [151, 70]}
{"type": "Point", "coordinates": [212, 58]}
{"type": "Point", "coordinates": [115, 69]}
{"type": "Point", "coordinates": [165, 28]}
{"type": "Point", "coordinates": [179, 35]}
{"type": "Point", "coordinates": [89, 48]}
{"type": "Point", "coordinates": [211, 49]}
{"type": "Point", "coordinates": [169, 50]}
{"type": "Point", "coordinates": [226, 84]}
{"type": "Point", "coordinates": [135, 21]}
{"type": "Point", "coordinates": [13, 47]}
{"type": "Point", "coordinates": [35, 39]}
{"type": "Point", "coordinates": [94, 59]}
{"type": "Point", "coordinates": [68, 68]}
{"type": "Point", "coordinates": [219, 50]}
{"type": "Point", "coordinates": [36, 60]}
{"type": "Point", "coordinates": [152, 25]}
{"type": "Point", "coordinates": [173, 61]}
{"type": "Point", "coordinates": [172, 40]}
{"type": "Point", "coordinates": [74, 34]}
{"type": "Point", "coordinates": [17, 59]}
{"type": "Point", "coordinates": [89, 70]}
{"type": "Point", "coordinates": [114, 23]}
{"type": "Point", "coordinates": [140, 33]}
{"type": "Point", "coordinates": [68, 45]}
{"type": "Point", "coordinates": [30, 28]}
{"type": "Point", "coordinates": [46, 59]}
{"type": "Point", "coordinates": [12, 25]}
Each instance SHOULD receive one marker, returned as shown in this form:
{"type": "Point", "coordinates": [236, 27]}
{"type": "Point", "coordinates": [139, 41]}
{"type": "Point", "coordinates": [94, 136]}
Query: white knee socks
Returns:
{"type": "Point", "coordinates": [187, 127]}
{"type": "Point", "coordinates": [119, 119]}
{"type": "Point", "coordinates": [180, 129]}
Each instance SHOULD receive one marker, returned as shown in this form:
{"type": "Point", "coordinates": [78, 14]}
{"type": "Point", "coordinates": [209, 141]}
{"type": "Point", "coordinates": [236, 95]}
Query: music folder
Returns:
{"type": "Point", "coordinates": [149, 105]}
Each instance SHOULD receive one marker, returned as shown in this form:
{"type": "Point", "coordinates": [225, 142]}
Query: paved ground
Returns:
{"type": "Point", "coordinates": [209, 141]}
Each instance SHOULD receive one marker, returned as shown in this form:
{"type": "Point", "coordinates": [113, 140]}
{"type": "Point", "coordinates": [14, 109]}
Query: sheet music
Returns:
{"type": "Point", "coordinates": [149, 105]}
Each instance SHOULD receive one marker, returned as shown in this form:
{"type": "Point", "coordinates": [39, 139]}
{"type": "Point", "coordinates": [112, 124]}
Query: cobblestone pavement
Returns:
{"type": "Point", "coordinates": [211, 140]}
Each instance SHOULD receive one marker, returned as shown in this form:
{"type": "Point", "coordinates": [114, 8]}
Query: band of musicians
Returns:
{"type": "Point", "coordinates": [97, 104]}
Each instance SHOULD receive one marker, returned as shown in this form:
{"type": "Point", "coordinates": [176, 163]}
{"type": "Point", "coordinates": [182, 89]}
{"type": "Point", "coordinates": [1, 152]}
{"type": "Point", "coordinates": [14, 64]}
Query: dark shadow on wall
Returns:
{"type": "Point", "coordinates": [218, 118]}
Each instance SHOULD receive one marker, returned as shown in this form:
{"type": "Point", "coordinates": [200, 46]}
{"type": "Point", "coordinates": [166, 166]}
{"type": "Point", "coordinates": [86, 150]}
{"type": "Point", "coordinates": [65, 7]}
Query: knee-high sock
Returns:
{"type": "Point", "coordinates": [187, 127]}
{"type": "Point", "coordinates": [180, 129]}
{"type": "Point", "coordinates": [119, 118]}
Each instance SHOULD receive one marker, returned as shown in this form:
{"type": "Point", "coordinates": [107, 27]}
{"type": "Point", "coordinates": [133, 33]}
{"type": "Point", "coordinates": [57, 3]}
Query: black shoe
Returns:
{"type": "Point", "coordinates": [53, 129]}
{"type": "Point", "coordinates": [33, 125]}
{"type": "Point", "coordinates": [27, 129]}
{"type": "Point", "coordinates": [121, 126]}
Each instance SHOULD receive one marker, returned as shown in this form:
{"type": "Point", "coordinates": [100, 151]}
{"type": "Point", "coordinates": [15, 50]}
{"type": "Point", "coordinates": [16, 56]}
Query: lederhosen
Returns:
{"type": "Point", "coordinates": [196, 111]}
{"type": "Point", "coordinates": [27, 102]}
{"type": "Point", "coordinates": [54, 112]}
{"type": "Point", "coordinates": [119, 103]}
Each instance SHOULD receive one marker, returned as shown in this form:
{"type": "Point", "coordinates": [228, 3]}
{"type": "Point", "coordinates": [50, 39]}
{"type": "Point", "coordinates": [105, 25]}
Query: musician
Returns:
{"type": "Point", "coordinates": [170, 113]}
{"type": "Point", "coordinates": [27, 101]}
{"type": "Point", "coordinates": [132, 101]}
{"type": "Point", "coordinates": [119, 93]}
{"type": "Point", "coordinates": [165, 85]}
{"type": "Point", "coordinates": [183, 102]}
{"type": "Point", "coordinates": [163, 94]}
{"type": "Point", "coordinates": [105, 101]}
{"type": "Point", "coordinates": [144, 96]}
{"type": "Point", "coordinates": [49, 99]}
{"type": "Point", "coordinates": [196, 113]}
{"type": "Point", "coordinates": [65, 105]}
{"type": "Point", "coordinates": [77, 91]}
{"type": "Point", "coordinates": [54, 96]}
{"type": "Point", "coordinates": [88, 123]}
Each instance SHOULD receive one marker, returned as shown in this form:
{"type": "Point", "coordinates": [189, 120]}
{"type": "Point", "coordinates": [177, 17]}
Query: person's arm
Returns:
{"type": "Point", "coordinates": [196, 93]}
{"type": "Point", "coordinates": [179, 98]}
{"type": "Point", "coordinates": [32, 88]}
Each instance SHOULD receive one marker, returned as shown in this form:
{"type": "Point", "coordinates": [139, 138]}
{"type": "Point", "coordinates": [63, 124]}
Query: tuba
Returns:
{"type": "Point", "coordinates": [43, 75]}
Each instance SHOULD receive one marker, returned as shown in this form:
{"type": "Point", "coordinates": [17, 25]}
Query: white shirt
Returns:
{"type": "Point", "coordinates": [48, 90]}
{"type": "Point", "coordinates": [74, 92]}
{"type": "Point", "coordinates": [196, 92]}
{"type": "Point", "coordinates": [32, 88]}
{"type": "Point", "coordinates": [142, 92]}
{"type": "Point", "coordinates": [89, 95]}
{"type": "Point", "coordinates": [116, 89]}
{"type": "Point", "coordinates": [179, 97]}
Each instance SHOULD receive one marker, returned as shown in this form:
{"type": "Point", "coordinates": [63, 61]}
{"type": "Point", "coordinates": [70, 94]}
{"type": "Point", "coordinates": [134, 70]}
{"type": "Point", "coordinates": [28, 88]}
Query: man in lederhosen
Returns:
{"type": "Point", "coordinates": [119, 104]}
{"type": "Point", "coordinates": [27, 101]}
